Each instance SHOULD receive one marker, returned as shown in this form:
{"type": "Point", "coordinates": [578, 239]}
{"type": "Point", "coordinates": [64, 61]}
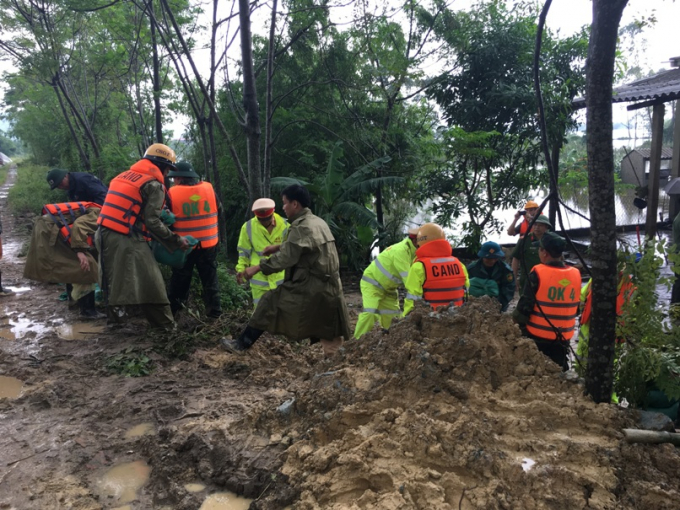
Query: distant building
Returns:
{"type": "Point", "coordinates": [4, 159]}
{"type": "Point", "coordinates": [635, 166]}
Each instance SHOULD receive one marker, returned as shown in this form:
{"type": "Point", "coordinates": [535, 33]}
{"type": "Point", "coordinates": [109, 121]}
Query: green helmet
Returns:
{"type": "Point", "coordinates": [55, 176]}
{"type": "Point", "coordinates": [183, 169]}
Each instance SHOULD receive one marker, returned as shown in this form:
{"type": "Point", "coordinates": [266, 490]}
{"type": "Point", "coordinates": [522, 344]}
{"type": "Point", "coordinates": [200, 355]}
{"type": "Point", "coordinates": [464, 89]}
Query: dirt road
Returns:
{"type": "Point", "coordinates": [451, 412]}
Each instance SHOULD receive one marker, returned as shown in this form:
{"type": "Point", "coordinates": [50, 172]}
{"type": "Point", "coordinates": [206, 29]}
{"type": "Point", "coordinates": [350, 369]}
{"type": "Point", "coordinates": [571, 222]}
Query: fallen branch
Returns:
{"type": "Point", "coordinates": [651, 437]}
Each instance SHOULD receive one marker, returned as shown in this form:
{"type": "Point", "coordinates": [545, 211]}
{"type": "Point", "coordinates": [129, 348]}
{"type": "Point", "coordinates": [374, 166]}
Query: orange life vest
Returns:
{"type": "Point", "coordinates": [444, 275]}
{"type": "Point", "coordinates": [626, 289]}
{"type": "Point", "coordinates": [558, 294]}
{"type": "Point", "coordinates": [195, 209]}
{"type": "Point", "coordinates": [523, 228]}
{"type": "Point", "coordinates": [57, 213]}
{"type": "Point", "coordinates": [124, 200]}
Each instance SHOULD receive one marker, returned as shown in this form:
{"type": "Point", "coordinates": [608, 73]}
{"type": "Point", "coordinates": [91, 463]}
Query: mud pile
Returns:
{"type": "Point", "coordinates": [458, 412]}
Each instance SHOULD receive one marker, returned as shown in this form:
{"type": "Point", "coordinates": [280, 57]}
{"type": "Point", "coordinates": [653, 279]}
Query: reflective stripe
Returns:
{"type": "Point", "coordinates": [403, 274]}
{"type": "Point", "coordinates": [381, 312]}
{"type": "Point", "coordinates": [372, 282]}
{"type": "Point", "coordinates": [201, 217]}
{"type": "Point", "coordinates": [244, 253]}
{"type": "Point", "coordinates": [259, 283]}
{"type": "Point", "coordinates": [279, 282]}
{"type": "Point", "coordinates": [446, 290]}
{"type": "Point", "coordinates": [557, 317]}
{"type": "Point", "coordinates": [256, 301]}
{"type": "Point", "coordinates": [445, 259]}
{"type": "Point", "coordinates": [412, 297]}
{"type": "Point", "coordinates": [206, 238]}
{"type": "Point", "coordinates": [548, 328]}
{"type": "Point", "coordinates": [126, 197]}
{"type": "Point", "coordinates": [249, 231]}
{"type": "Point", "coordinates": [192, 229]}
{"type": "Point", "coordinates": [385, 272]}
{"type": "Point", "coordinates": [259, 253]}
{"type": "Point", "coordinates": [558, 305]}
{"type": "Point", "coordinates": [444, 301]}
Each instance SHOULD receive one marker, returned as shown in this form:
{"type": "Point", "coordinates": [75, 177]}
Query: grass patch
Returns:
{"type": "Point", "coordinates": [130, 362]}
{"type": "Point", "coordinates": [31, 191]}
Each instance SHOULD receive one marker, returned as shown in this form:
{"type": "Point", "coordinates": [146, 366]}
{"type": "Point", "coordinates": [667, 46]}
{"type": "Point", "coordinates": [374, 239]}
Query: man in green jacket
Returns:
{"type": "Point", "coordinates": [309, 303]}
{"type": "Point", "coordinates": [129, 273]}
{"type": "Point", "coordinates": [491, 276]}
{"type": "Point", "coordinates": [525, 255]}
{"type": "Point", "coordinates": [379, 284]}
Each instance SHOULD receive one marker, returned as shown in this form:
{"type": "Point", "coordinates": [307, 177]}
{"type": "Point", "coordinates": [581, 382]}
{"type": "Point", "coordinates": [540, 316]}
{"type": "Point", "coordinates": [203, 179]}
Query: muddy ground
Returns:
{"type": "Point", "coordinates": [450, 412]}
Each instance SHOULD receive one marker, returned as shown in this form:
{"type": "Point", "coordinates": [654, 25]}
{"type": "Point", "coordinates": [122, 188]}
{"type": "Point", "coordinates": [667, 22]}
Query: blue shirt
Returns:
{"type": "Point", "coordinates": [84, 187]}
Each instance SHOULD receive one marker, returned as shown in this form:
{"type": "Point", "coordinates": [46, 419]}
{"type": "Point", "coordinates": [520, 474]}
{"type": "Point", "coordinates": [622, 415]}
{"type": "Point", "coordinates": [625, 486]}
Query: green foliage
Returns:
{"type": "Point", "coordinates": [31, 191]}
{"type": "Point", "coordinates": [650, 356]}
{"type": "Point", "coordinates": [339, 200]}
{"type": "Point", "coordinates": [232, 295]}
{"type": "Point", "coordinates": [9, 146]}
{"type": "Point", "coordinates": [130, 362]}
{"type": "Point", "coordinates": [491, 151]}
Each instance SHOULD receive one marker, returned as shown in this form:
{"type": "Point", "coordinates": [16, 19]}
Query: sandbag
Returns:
{"type": "Point", "coordinates": [175, 259]}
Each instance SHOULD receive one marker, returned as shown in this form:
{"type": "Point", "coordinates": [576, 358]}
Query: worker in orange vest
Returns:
{"type": "Point", "coordinates": [195, 206]}
{"type": "Point", "coordinates": [528, 214]}
{"type": "Point", "coordinates": [548, 307]}
{"type": "Point", "coordinates": [130, 217]}
{"type": "Point", "coordinates": [435, 276]}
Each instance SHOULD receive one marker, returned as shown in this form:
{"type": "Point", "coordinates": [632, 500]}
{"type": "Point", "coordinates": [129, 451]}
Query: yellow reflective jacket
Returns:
{"type": "Point", "coordinates": [254, 238]}
{"type": "Point", "coordinates": [390, 267]}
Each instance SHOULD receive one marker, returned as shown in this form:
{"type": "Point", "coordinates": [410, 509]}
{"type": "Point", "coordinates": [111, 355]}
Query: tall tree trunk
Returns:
{"type": "Point", "coordinates": [156, 79]}
{"type": "Point", "coordinates": [252, 127]}
{"type": "Point", "coordinates": [74, 135]}
{"type": "Point", "coordinates": [554, 199]}
{"type": "Point", "coordinates": [599, 84]}
{"type": "Point", "coordinates": [269, 114]}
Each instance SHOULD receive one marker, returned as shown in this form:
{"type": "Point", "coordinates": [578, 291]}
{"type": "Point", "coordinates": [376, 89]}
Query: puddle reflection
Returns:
{"type": "Point", "coordinates": [225, 501]}
{"type": "Point", "coordinates": [194, 487]}
{"type": "Point", "coordinates": [123, 481]}
{"type": "Point", "coordinates": [10, 387]}
{"type": "Point", "coordinates": [143, 429]}
{"type": "Point", "coordinates": [78, 331]}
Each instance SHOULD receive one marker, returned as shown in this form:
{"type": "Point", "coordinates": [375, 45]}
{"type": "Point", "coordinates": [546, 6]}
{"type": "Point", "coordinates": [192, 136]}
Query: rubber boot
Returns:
{"type": "Point", "coordinates": [4, 291]}
{"type": "Point", "coordinates": [87, 307]}
{"type": "Point", "coordinates": [244, 342]}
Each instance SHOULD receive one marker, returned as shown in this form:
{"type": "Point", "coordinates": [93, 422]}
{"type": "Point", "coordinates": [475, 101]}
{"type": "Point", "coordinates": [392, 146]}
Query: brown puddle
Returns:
{"type": "Point", "coordinates": [16, 328]}
{"type": "Point", "coordinates": [143, 429]}
{"type": "Point", "coordinates": [79, 331]}
{"type": "Point", "coordinates": [194, 487]}
{"type": "Point", "coordinates": [10, 387]}
{"type": "Point", "coordinates": [225, 501]}
{"type": "Point", "coordinates": [123, 481]}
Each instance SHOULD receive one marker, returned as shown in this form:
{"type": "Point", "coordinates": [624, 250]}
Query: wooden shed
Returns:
{"type": "Point", "coordinates": [635, 166]}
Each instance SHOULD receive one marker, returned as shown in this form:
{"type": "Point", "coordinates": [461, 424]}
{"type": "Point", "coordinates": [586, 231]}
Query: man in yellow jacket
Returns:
{"type": "Point", "coordinates": [266, 229]}
{"type": "Point", "coordinates": [436, 276]}
{"type": "Point", "coordinates": [379, 285]}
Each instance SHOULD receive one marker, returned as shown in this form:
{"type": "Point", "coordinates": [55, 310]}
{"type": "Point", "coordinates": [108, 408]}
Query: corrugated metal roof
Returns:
{"type": "Point", "coordinates": [666, 152]}
{"type": "Point", "coordinates": [664, 85]}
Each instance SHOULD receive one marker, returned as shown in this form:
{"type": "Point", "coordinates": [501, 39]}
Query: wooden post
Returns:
{"type": "Point", "coordinates": [654, 170]}
{"type": "Point", "coordinates": [674, 204]}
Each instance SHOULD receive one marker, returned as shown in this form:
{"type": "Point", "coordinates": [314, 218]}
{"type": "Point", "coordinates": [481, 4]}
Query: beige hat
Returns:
{"type": "Point", "coordinates": [263, 203]}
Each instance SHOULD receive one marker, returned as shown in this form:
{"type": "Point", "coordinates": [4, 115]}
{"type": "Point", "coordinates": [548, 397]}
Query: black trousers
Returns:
{"type": "Point", "coordinates": [556, 351]}
{"type": "Point", "coordinates": [205, 261]}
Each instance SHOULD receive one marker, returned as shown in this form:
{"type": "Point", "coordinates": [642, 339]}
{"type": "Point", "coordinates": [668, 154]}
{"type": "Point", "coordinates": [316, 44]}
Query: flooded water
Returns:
{"type": "Point", "coordinates": [18, 290]}
{"type": "Point", "coordinates": [225, 501]}
{"type": "Point", "coordinates": [15, 328]}
{"type": "Point", "coordinates": [194, 487]}
{"type": "Point", "coordinates": [124, 481]}
{"type": "Point", "coordinates": [143, 429]}
{"type": "Point", "coordinates": [79, 331]}
{"type": "Point", "coordinates": [10, 387]}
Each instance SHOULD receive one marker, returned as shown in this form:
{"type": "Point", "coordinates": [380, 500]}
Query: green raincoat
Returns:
{"type": "Point", "coordinates": [50, 259]}
{"type": "Point", "coordinates": [309, 302]}
{"type": "Point", "coordinates": [130, 274]}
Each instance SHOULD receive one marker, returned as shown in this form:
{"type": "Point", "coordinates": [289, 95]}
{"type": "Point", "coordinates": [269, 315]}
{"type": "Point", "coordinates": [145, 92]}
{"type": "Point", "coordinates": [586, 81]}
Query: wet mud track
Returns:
{"type": "Point", "coordinates": [66, 420]}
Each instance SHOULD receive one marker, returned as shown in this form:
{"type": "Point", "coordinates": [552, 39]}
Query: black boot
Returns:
{"type": "Point", "coordinates": [4, 291]}
{"type": "Point", "coordinates": [244, 342]}
{"type": "Point", "coordinates": [88, 309]}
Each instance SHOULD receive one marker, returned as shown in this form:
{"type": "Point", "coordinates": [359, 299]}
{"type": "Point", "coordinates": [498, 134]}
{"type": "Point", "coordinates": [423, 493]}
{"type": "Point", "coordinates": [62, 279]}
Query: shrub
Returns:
{"type": "Point", "coordinates": [31, 191]}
